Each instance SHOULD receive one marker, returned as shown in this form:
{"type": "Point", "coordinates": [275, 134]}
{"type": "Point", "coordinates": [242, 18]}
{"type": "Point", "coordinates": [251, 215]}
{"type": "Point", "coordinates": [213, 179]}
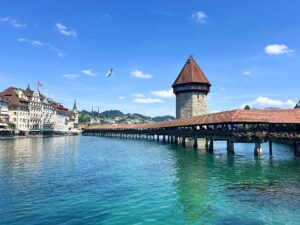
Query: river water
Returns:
{"type": "Point", "coordinates": [98, 180]}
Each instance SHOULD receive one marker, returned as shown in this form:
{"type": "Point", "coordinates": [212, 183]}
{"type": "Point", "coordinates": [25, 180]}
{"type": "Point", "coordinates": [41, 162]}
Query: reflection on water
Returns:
{"type": "Point", "coordinates": [95, 180]}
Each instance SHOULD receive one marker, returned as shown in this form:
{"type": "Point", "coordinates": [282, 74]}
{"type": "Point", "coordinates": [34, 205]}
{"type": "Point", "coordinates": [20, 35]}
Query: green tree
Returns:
{"type": "Point", "coordinates": [84, 118]}
{"type": "Point", "coordinates": [247, 107]}
{"type": "Point", "coordinates": [11, 126]}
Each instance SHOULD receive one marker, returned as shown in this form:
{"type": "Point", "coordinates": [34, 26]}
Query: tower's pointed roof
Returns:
{"type": "Point", "coordinates": [75, 106]}
{"type": "Point", "coordinates": [191, 73]}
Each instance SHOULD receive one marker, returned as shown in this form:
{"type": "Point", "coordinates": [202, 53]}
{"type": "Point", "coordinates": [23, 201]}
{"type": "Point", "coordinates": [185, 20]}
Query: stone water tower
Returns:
{"type": "Point", "coordinates": [191, 88]}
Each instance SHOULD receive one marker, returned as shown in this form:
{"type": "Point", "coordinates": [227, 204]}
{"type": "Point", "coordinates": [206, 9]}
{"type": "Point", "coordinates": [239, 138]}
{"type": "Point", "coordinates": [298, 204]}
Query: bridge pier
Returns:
{"type": "Point", "coordinates": [195, 143]}
{"type": "Point", "coordinates": [164, 138]}
{"type": "Point", "coordinates": [270, 147]}
{"type": "Point", "coordinates": [206, 144]}
{"type": "Point", "coordinates": [230, 147]}
{"type": "Point", "coordinates": [209, 145]}
{"type": "Point", "coordinates": [173, 139]}
{"type": "Point", "coordinates": [258, 149]}
{"type": "Point", "coordinates": [176, 140]}
{"type": "Point", "coordinates": [183, 142]}
{"type": "Point", "coordinates": [297, 149]}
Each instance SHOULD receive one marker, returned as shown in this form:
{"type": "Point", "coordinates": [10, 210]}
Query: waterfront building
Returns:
{"type": "Point", "coordinates": [61, 117]}
{"type": "Point", "coordinates": [30, 110]}
{"type": "Point", "coordinates": [191, 88]}
{"type": "Point", "coordinates": [18, 107]}
{"type": "Point", "coordinates": [99, 120]}
{"type": "Point", "coordinates": [4, 113]}
{"type": "Point", "coordinates": [73, 117]}
{"type": "Point", "coordinates": [41, 112]}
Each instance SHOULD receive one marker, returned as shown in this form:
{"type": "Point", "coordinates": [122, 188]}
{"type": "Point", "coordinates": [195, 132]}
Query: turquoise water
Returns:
{"type": "Point", "coordinates": [96, 180]}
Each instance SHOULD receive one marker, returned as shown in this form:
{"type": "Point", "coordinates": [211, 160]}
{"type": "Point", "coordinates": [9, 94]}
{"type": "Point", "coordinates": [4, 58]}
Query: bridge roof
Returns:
{"type": "Point", "coordinates": [280, 116]}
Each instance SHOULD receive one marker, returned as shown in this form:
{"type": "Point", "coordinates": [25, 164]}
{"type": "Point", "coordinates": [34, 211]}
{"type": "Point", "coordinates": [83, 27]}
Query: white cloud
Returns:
{"type": "Point", "coordinates": [13, 22]}
{"type": "Point", "coordinates": [263, 102]}
{"type": "Point", "coordinates": [200, 17]}
{"type": "Point", "coordinates": [138, 95]}
{"type": "Point", "coordinates": [121, 97]}
{"type": "Point", "coordinates": [278, 49]}
{"type": "Point", "coordinates": [139, 74]}
{"type": "Point", "coordinates": [32, 42]}
{"type": "Point", "coordinates": [215, 111]}
{"type": "Point", "coordinates": [163, 94]}
{"type": "Point", "coordinates": [89, 72]}
{"type": "Point", "coordinates": [247, 72]}
{"type": "Point", "coordinates": [147, 100]}
{"type": "Point", "coordinates": [64, 30]}
{"type": "Point", "coordinates": [70, 76]}
{"type": "Point", "coordinates": [37, 43]}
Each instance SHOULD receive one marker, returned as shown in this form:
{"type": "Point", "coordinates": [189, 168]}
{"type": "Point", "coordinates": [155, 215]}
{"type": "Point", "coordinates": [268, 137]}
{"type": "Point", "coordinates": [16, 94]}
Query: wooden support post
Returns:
{"type": "Point", "coordinates": [157, 137]}
{"type": "Point", "coordinates": [270, 147]}
{"type": "Point", "coordinates": [183, 142]}
{"type": "Point", "coordinates": [258, 149]}
{"type": "Point", "coordinates": [176, 140]}
{"type": "Point", "coordinates": [206, 144]}
{"type": "Point", "coordinates": [168, 138]}
{"type": "Point", "coordinates": [297, 149]}
{"type": "Point", "coordinates": [195, 143]}
{"type": "Point", "coordinates": [164, 138]}
{"type": "Point", "coordinates": [230, 147]}
{"type": "Point", "coordinates": [210, 145]}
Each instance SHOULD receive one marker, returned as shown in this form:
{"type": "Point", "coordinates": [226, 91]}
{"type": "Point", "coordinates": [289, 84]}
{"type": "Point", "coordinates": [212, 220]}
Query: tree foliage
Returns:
{"type": "Point", "coordinates": [247, 107]}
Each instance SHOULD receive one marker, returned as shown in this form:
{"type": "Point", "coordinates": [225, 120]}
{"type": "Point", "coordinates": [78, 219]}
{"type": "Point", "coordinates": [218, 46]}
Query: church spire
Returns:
{"type": "Point", "coordinates": [75, 106]}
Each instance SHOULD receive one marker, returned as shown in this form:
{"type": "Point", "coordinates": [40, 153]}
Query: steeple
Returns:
{"type": "Point", "coordinates": [28, 88]}
{"type": "Point", "coordinates": [75, 107]}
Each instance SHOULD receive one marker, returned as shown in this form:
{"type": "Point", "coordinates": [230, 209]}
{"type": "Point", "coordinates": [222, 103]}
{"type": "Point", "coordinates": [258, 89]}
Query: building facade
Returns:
{"type": "Point", "coordinates": [41, 115]}
{"type": "Point", "coordinates": [29, 110]}
{"type": "Point", "coordinates": [18, 107]}
{"type": "Point", "coordinates": [4, 114]}
{"type": "Point", "coordinates": [191, 88]}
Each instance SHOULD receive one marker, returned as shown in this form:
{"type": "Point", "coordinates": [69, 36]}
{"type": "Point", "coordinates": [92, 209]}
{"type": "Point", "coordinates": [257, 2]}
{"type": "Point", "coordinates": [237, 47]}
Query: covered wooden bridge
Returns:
{"type": "Point", "coordinates": [236, 126]}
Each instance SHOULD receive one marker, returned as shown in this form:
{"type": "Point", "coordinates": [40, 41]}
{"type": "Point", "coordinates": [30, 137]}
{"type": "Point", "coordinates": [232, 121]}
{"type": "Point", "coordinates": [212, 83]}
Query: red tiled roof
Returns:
{"type": "Point", "coordinates": [11, 96]}
{"type": "Point", "coordinates": [281, 116]}
{"type": "Point", "coordinates": [191, 73]}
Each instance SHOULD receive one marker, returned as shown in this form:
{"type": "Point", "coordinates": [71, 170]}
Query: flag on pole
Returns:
{"type": "Point", "coordinates": [40, 84]}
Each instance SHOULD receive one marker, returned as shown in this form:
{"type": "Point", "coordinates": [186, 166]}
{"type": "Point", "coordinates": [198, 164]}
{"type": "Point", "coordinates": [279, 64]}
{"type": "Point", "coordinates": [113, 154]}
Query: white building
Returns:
{"type": "Point", "coordinates": [4, 113]}
{"type": "Point", "coordinates": [31, 111]}
{"type": "Point", "coordinates": [41, 112]}
{"type": "Point", "coordinates": [18, 107]}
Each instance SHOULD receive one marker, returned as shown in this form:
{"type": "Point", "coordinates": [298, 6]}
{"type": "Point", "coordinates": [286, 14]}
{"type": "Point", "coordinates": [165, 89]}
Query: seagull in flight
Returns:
{"type": "Point", "coordinates": [110, 72]}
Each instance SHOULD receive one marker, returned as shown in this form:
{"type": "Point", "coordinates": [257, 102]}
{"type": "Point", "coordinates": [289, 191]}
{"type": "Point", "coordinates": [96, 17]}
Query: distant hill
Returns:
{"type": "Point", "coordinates": [163, 118]}
{"type": "Point", "coordinates": [116, 116]}
{"type": "Point", "coordinates": [111, 113]}
{"type": "Point", "coordinates": [271, 108]}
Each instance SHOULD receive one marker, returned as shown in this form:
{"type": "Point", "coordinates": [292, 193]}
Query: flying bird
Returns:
{"type": "Point", "coordinates": [110, 72]}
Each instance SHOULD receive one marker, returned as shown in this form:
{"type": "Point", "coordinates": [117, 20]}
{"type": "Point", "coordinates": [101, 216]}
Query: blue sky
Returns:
{"type": "Point", "coordinates": [248, 50]}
